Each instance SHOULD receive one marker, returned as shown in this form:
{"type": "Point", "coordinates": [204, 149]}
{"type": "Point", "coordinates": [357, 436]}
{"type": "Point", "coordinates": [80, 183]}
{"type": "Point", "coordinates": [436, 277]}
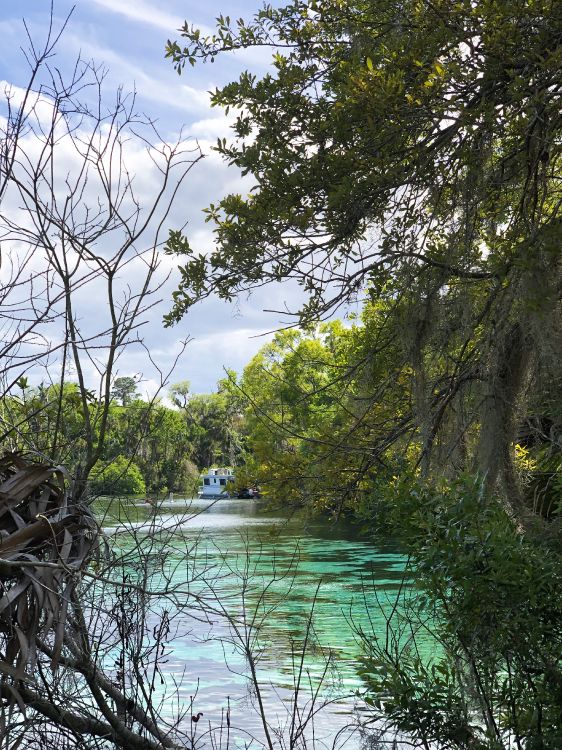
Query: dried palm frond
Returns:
{"type": "Point", "coordinates": [45, 542]}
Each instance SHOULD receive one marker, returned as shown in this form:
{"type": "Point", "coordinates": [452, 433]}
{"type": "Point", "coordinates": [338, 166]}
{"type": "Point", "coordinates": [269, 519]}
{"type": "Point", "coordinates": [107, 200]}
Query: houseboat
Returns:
{"type": "Point", "coordinates": [217, 483]}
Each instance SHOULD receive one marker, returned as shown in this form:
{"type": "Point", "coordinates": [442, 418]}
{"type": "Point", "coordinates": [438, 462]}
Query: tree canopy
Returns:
{"type": "Point", "coordinates": [390, 137]}
{"type": "Point", "coordinates": [125, 389]}
{"type": "Point", "coordinates": [410, 153]}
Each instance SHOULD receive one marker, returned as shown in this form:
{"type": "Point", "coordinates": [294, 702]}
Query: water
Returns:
{"type": "Point", "coordinates": [297, 593]}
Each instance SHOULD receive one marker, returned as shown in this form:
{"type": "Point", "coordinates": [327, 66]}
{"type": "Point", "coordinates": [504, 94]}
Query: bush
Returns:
{"type": "Point", "coordinates": [120, 477]}
{"type": "Point", "coordinates": [491, 593]}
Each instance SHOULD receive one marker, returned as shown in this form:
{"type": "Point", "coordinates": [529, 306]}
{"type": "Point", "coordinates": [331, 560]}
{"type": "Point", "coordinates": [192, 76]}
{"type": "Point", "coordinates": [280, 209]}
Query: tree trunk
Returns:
{"type": "Point", "coordinates": [506, 380]}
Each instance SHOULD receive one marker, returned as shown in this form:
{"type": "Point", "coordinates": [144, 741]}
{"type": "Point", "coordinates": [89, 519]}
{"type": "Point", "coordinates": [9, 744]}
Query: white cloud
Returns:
{"type": "Point", "coordinates": [142, 12]}
{"type": "Point", "coordinates": [108, 32]}
{"type": "Point", "coordinates": [232, 348]}
{"type": "Point", "coordinates": [164, 89]}
{"type": "Point", "coordinates": [211, 128]}
{"type": "Point", "coordinates": [224, 335]}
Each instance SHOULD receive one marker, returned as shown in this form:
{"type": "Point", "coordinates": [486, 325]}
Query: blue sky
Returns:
{"type": "Point", "coordinates": [129, 36]}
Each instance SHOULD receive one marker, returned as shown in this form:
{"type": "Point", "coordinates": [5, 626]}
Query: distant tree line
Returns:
{"type": "Point", "coordinates": [149, 447]}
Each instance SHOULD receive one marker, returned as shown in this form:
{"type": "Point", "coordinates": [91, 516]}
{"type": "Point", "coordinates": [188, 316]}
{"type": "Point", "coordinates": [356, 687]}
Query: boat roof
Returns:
{"type": "Point", "coordinates": [221, 472]}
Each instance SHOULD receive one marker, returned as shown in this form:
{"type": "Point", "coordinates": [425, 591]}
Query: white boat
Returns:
{"type": "Point", "coordinates": [216, 483]}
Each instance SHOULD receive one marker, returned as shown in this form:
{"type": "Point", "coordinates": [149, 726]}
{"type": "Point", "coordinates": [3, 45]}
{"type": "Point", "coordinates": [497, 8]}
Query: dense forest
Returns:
{"type": "Point", "coordinates": [148, 446]}
{"type": "Point", "coordinates": [405, 161]}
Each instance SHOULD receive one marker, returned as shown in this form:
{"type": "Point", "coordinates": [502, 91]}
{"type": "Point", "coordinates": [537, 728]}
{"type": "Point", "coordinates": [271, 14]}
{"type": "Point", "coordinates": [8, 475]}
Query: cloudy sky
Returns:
{"type": "Point", "coordinates": [129, 36]}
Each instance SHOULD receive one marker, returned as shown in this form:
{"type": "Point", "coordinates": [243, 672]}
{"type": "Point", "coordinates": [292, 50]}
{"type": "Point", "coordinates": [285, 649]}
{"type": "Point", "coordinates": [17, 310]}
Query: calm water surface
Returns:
{"type": "Point", "coordinates": [270, 571]}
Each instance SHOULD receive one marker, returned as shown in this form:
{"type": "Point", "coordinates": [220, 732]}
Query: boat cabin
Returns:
{"type": "Point", "coordinates": [215, 483]}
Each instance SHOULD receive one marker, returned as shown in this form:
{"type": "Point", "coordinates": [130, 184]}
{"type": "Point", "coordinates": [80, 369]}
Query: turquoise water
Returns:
{"type": "Point", "coordinates": [297, 592]}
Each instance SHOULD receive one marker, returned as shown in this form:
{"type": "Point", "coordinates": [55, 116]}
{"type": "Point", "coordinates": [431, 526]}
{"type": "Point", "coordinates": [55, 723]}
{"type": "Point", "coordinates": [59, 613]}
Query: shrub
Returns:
{"type": "Point", "coordinates": [120, 477]}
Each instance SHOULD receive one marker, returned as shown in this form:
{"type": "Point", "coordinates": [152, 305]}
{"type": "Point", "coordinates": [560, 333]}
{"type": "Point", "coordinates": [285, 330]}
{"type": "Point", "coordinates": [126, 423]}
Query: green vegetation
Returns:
{"type": "Point", "coordinates": [124, 389]}
{"type": "Point", "coordinates": [408, 155]}
{"type": "Point", "coordinates": [120, 477]}
{"type": "Point", "coordinates": [147, 446]}
{"type": "Point", "coordinates": [406, 162]}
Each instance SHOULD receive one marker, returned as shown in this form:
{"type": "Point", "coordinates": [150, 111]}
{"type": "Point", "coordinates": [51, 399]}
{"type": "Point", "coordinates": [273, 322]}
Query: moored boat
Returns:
{"type": "Point", "coordinates": [221, 483]}
{"type": "Point", "coordinates": [217, 483]}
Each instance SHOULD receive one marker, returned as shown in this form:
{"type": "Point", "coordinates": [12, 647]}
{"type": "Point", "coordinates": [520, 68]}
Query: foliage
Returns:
{"type": "Point", "coordinates": [180, 394]}
{"type": "Point", "coordinates": [412, 150]}
{"type": "Point", "coordinates": [325, 418]}
{"type": "Point", "coordinates": [494, 600]}
{"type": "Point", "coordinates": [124, 389]}
{"type": "Point", "coordinates": [154, 438]}
{"type": "Point", "coordinates": [408, 155]}
{"type": "Point", "coordinates": [51, 419]}
{"type": "Point", "coordinates": [213, 423]}
{"type": "Point", "coordinates": [119, 477]}
{"type": "Point", "coordinates": [353, 123]}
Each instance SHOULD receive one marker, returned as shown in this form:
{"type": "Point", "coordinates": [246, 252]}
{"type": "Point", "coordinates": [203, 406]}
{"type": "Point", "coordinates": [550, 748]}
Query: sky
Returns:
{"type": "Point", "coordinates": [129, 37]}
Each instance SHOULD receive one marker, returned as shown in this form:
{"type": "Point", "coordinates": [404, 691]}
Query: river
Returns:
{"type": "Point", "coordinates": [274, 581]}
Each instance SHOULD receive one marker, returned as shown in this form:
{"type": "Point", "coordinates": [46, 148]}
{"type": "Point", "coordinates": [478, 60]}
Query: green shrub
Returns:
{"type": "Point", "coordinates": [491, 593]}
{"type": "Point", "coordinates": [120, 477]}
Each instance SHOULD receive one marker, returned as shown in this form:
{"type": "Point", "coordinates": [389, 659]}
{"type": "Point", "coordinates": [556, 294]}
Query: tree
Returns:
{"type": "Point", "coordinates": [319, 431]}
{"type": "Point", "coordinates": [213, 430]}
{"type": "Point", "coordinates": [157, 439]}
{"type": "Point", "coordinates": [73, 229]}
{"type": "Point", "coordinates": [414, 150]}
{"type": "Point", "coordinates": [124, 389]}
{"type": "Point", "coordinates": [180, 394]}
{"type": "Point", "coordinates": [490, 596]}
{"type": "Point", "coordinates": [212, 422]}
{"type": "Point", "coordinates": [83, 226]}
{"type": "Point", "coordinates": [120, 477]}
